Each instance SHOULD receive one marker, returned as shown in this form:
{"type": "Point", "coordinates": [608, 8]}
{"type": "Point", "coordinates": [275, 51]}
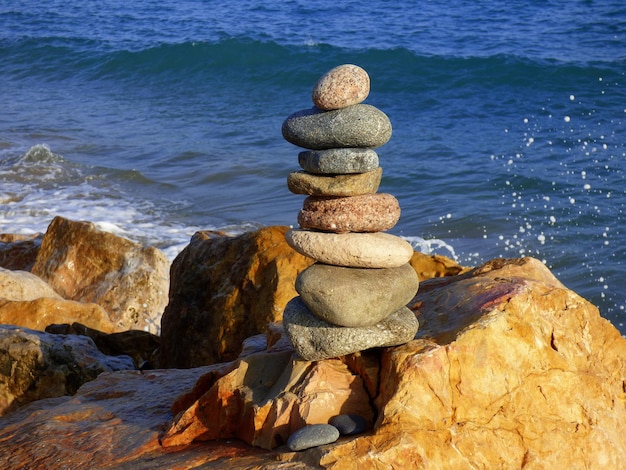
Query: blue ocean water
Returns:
{"type": "Point", "coordinates": [155, 119]}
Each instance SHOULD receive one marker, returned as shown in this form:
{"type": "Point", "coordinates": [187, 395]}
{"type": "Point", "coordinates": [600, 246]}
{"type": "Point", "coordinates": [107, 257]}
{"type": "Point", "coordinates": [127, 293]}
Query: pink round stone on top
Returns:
{"type": "Point", "coordinates": [341, 87]}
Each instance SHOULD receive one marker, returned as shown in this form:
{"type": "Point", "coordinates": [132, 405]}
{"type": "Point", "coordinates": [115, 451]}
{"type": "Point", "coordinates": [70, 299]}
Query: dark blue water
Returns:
{"type": "Point", "coordinates": [155, 119]}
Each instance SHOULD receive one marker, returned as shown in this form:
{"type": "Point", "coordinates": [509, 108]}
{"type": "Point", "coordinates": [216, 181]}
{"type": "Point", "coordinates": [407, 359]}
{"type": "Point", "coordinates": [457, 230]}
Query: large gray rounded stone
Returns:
{"type": "Point", "coordinates": [338, 161]}
{"type": "Point", "coordinates": [355, 296]}
{"type": "Point", "coordinates": [314, 339]}
{"type": "Point", "coordinates": [354, 250]}
{"type": "Point", "coordinates": [360, 125]}
{"type": "Point", "coordinates": [301, 182]}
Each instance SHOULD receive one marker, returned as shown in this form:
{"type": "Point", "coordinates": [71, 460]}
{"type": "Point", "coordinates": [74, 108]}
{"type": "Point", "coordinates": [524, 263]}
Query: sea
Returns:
{"type": "Point", "coordinates": [156, 119]}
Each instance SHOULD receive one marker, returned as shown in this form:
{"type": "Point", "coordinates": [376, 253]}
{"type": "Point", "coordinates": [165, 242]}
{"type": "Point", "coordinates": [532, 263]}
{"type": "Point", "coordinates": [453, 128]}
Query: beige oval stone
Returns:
{"type": "Point", "coordinates": [355, 296]}
{"type": "Point", "coordinates": [364, 213]}
{"type": "Point", "coordinates": [22, 285]}
{"type": "Point", "coordinates": [340, 87]}
{"type": "Point", "coordinates": [302, 182]}
{"type": "Point", "coordinates": [355, 250]}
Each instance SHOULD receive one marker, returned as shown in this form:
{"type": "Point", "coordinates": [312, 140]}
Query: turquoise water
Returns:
{"type": "Point", "coordinates": [155, 120]}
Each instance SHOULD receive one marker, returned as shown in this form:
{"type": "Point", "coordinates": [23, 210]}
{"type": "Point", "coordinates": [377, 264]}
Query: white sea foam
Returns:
{"type": "Point", "coordinates": [40, 185]}
{"type": "Point", "coordinates": [431, 246]}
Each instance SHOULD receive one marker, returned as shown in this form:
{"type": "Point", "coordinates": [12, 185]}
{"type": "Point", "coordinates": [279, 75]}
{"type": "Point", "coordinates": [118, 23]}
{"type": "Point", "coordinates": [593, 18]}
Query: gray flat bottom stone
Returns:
{"type": "Point", "coordinates": [314, 339]}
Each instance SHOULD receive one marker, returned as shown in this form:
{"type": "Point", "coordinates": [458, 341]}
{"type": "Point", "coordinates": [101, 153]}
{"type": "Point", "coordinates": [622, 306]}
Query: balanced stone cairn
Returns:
{"type": "Point", "coordinates": [354, 297]}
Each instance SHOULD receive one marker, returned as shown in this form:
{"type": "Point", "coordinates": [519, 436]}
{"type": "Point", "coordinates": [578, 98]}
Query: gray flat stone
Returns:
{"type": "Point", "coordinates": [354, 250]}
{"type": "Point", "coordinates": [338, 161]}
{"type": "Point", "coordinates": [359, 125]}
{"type": "Point", "coordinates": [312, 435]}
{"type": "Point", "coordinates": [355, 296]}
{"type": "Point", "coordinates": [301, 182]}
{"type": "Point", "coordinates": [314, 339]}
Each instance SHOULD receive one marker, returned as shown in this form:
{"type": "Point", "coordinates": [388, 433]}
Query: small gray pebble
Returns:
{"type": "Point", "coordinates": [312, 435]}
{"type": "Point", "coordinates": [349, 424]}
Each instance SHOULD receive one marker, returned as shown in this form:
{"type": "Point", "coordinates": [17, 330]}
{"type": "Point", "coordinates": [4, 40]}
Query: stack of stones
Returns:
{"type": "Point", "coordinates": [354, 297]}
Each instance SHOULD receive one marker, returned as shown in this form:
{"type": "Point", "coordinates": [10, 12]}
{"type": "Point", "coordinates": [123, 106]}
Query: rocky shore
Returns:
{"type": "Point", "coordinates": [112, 358]}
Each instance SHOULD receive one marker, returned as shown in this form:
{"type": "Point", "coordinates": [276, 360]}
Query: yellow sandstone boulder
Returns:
{"type": "Point", "coordinates": [223, 290]}
{"type": "Point", "coordinates": [86, 264]}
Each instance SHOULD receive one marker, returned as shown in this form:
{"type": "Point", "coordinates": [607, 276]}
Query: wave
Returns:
{"type": "Point", "coordinates": [36, 155]}
{"type": "Point", "coordinates": [40, 184]}
{"type": "Point", "coordinates": [40, 167]}
{"type": "Point", "coordinates": [246, 59]}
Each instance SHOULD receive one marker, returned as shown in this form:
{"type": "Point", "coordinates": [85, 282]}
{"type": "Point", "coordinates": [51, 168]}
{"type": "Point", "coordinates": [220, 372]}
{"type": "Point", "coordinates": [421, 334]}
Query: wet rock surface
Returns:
{"type": "Point", "coordinates": [506, 370]}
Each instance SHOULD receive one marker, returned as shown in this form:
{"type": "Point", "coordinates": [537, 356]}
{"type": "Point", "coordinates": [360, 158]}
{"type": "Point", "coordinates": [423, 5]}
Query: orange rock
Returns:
{"type": "Point", "coordinates": [38, 365]}
{"type": "Point", "coordinates": [110, 423]}
{"type": "Point", "coordinates": [514, 371]}
{"type": "Point", "coordinates": [86, 264]}
{"type": "Point", "coordinates": [267, 397]}
{"type": "Point", "coordinates": [18, 252]}
{"type": "Point", "coordinates": [429, 266]}
{"type": "Point", "coordinates": [39, 313]}
{"type": "Point", "coordinates": [366, 364]}
{"type": "Point", "coordinates": [26, 300]}
{"type": "Point", "coordinates": [225, 289]}
{"type": "Point", "coordinates": [22, 285]}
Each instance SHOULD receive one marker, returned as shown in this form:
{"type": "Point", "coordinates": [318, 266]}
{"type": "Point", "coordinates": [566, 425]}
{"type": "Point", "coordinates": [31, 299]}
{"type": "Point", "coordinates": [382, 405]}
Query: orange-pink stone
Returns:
{"type": "Point", "coordinates": [364, 213]}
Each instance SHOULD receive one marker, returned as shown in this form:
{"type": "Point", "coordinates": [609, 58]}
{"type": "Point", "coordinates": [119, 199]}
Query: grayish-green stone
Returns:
{"type": "Point", "coordinates": [355, 296]}
{"type": "Point", "coordinates": [338, 161]}
{"type": "Point", "coordinates": [359, 125]}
